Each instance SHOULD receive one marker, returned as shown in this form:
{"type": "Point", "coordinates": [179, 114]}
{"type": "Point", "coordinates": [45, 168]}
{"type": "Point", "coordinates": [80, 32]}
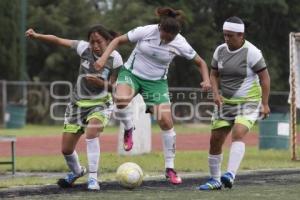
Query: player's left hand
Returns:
{"type": "Point", "coordinates": [205, 85]}
{"type": "Point", "coordinates": [264, 111]}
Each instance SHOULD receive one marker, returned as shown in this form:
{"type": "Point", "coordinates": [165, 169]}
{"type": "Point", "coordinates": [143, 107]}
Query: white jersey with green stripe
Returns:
{"type": "Point", "coordinates": [238, 72]}
{"type": "Point", "coordinates": [84, 93]}
{"type": "Point", "coordinates": [151, 58]}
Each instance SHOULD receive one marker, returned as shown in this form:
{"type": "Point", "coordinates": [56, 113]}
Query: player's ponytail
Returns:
{"type": "Point", "coordinates": [113, 34]}
{"type": "Point", "coordinates": [171, 20]}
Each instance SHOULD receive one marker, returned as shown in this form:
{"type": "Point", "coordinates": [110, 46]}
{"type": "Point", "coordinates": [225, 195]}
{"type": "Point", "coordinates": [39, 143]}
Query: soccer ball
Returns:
{"type": "Point", "coordinates": [129, 175]}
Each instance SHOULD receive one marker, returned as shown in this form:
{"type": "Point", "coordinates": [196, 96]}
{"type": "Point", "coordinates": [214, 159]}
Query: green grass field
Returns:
{"type": "Point", "coordinates": [187, 162]}
{"type": "Point", "coordinates": [152, 164]}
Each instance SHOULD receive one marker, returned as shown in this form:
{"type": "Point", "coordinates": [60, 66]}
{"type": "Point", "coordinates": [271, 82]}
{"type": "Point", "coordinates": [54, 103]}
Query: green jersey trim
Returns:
{"type": "Point", "coordinates": [94, 102]}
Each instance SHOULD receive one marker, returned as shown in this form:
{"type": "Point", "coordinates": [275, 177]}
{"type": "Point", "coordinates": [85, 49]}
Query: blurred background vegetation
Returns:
{"type": "Point", "coordinates": [268, 24]}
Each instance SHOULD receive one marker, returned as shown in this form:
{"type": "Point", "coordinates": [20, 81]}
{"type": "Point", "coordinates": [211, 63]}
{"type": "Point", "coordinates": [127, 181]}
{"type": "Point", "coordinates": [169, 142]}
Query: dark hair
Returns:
{"type": "Point", "coordinates": [170, 20]}
{"type": "Point", "coordinates": [107, 34]}
{"type": "Point", "coordinates": [234, 19]}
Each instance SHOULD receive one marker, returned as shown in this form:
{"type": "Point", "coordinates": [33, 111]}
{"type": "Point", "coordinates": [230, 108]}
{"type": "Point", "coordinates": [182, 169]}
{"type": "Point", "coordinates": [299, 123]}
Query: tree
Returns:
{"type": "Point", "coordinates": [268, 23]}
{"type": "Point", "coordinates": [64, 18]}
{"type": "Point", "coordinates": [9, 37]}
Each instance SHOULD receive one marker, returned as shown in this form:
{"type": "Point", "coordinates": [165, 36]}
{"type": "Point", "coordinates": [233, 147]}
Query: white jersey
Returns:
{"type": "Point", "coordinates": [151, 58]}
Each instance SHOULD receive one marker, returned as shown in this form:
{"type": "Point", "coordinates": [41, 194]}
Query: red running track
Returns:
{"type": "Point", "coordinates": [51, 145]}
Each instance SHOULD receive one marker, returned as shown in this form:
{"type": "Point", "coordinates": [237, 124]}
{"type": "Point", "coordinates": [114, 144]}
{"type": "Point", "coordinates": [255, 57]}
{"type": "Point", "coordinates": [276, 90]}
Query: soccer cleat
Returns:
{"type": "Point", "coordinates": [172, 176]}
{"type": "Point", "coordinates": [69, 180]}
{"type": "Point", "coordinates": [211, 184]}
{"type": "Point", "coordinates": [93, 184]}
{"type": "Point", "coordinates": [227, 180]}
{"type": "Point", "coordinates": [128, 140]}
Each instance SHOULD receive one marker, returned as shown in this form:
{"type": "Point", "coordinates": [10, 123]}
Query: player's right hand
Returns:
{"type": "Point", "coordinates": [218, 99]}
{"type": "Point", "coordinates": [99, 64]}
{"type": "Point", "coordinates": [30, 33]}
{"type": "Point", "coordinates": [265, 111]}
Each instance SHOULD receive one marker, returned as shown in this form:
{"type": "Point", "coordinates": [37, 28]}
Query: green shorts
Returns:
{"type": "Point", "coordinates": [76, 118]}
{"type": "Point", "coordinates": [229, 114]}
{"type": "Point", "coordinates": [153, 92]}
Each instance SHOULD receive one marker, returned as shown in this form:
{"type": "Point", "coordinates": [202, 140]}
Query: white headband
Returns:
{"type": "Point", "coordinates": [234, 27]}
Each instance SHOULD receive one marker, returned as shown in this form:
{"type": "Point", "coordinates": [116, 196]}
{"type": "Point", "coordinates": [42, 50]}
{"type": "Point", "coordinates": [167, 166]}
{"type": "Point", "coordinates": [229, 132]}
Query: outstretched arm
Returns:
{"type": "Point", "coordinates": [30, 33]}
{"type": "Point", "coordinates": [111, 47]}
{"type": "Point", "coordinates": [205, 84]}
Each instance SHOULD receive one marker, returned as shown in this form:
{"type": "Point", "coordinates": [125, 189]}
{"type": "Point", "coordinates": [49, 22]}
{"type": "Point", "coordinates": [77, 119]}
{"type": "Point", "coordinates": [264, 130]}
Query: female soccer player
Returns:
{"type": "Point", "coordinates": [145, 72]}
{"type": "Point", "coordinates": [91, 103]}
{"type": "Point", "coordinates": [239, 70]}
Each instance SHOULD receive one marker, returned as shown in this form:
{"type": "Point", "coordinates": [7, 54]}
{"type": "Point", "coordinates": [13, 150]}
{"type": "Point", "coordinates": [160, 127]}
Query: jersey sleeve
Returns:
{"type": "Point", "coordinates": [80, 46]}
{"type": "Point", "coordinates": [137, 34]}
{"type": "Point", "coordinates": [214, 60]}
{"type": "Point", "coordinates": [118, 61]}
{"type": "Point", "coordinates": [187, 51]}
{"type": "Point", "coordinates": [256, 60]}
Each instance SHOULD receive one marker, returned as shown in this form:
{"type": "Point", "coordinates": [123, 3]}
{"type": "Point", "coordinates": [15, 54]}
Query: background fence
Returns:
{"type": "Point", "coordinates": [40, 100]}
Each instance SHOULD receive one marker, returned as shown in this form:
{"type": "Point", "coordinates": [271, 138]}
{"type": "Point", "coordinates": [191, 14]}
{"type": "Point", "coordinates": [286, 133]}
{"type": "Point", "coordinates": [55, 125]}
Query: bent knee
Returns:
{"type": "Point", "coordinates": [67, 151]}
{"type": "Point", "coordinates": [122, 102]}
{"type": "Point", "coordinates": [165, 124]}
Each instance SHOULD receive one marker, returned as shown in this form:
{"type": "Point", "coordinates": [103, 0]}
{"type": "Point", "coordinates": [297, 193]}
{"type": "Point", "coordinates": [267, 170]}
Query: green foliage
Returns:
{"type": "Point", "coordinates": [64, 18]}
{"type": "Point", "coordinates": [9, 39]}
{"type": "Point", "coordinates": [268, 24]}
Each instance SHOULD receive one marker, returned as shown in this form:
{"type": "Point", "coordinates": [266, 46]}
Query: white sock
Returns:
{"type": "Point", "coordinates": [125, 116]}
{"type": "Point", "coordinates": [214, 164]}
{"type": "Point", "coordinates": [236, 155]}
{"type": "Point", "coordinates": [169, 141]}
{"type": "Point", "coordinates": [73, 162]}
{"type": "Point", "coordinates": [93, 154]}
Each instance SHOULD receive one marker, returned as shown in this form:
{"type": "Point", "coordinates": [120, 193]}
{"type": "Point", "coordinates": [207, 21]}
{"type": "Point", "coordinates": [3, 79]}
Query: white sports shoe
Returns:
{"type": "Point", "coordinates": [93, 184]}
